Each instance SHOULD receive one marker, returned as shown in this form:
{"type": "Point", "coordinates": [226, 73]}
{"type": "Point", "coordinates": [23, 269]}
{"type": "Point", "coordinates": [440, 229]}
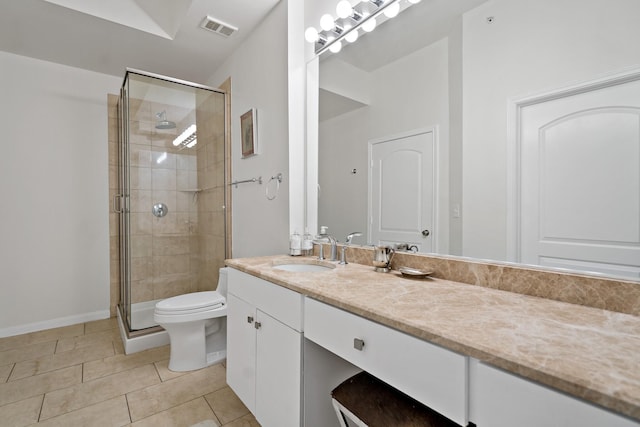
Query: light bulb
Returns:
{"type": "Point", "coordinates": [311, 35]}
{"type": "Point", "coordinates": [414, 1]}
{"type": "Point", "coordinates": [392, 10]}
{"type": "Point", "coordinates": [344, 9]}
{"type": "Point", "coordinates": [352, 36]}
{"type": "Point", "coordinates": [327, 23]}
{"type": "Point", "coordinates": [370, 25]}
{"type": "Point", "coordinates": [336, 47]}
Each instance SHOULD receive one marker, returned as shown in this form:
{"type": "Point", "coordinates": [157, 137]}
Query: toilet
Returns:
{"type": "Point", "coordinates": [197, 327]}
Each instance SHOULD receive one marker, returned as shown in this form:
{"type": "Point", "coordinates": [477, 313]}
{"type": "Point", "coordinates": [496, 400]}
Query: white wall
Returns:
{"type": "Point", "coordinates": [258, 70]}
{"type": "Point", "coordinates": [342, 197]}
{"type": "Point", "coordinates": [455, 137]}
{"type": "Point", "coordinates": [530, 47]}
{"type": "Point", "coordinates": [54, 244]}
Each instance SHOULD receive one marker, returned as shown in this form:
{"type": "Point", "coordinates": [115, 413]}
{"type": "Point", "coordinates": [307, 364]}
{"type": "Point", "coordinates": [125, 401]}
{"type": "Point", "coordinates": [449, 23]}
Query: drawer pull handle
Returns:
{"type": "Point", "coordinates": [257, 325]}
{"type": "Point", "coordinates": [249, 319]}
{"type": "Point", "coordinates": [358, 344]}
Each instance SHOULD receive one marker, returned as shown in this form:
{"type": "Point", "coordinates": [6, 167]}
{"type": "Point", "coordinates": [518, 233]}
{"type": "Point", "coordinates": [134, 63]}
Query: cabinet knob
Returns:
{"type": "Point", "coordinates": [257, 325]}
{"type": "Point", "coordinates": [358, 344]}
{"type": "Point", "coordinates": [249, 319]}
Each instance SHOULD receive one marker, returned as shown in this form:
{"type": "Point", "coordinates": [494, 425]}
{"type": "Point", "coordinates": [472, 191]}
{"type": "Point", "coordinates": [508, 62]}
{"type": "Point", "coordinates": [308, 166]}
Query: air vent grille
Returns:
{"type": "Point", "coordinates": [217, 26]}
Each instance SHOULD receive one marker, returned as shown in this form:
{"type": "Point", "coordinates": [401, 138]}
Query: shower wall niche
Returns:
{"type": "Point", "coordinates": [170, 194]}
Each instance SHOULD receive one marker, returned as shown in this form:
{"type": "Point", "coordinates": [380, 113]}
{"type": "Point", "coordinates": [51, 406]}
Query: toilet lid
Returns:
{"type": "Point", "coordinates": [195, 300]}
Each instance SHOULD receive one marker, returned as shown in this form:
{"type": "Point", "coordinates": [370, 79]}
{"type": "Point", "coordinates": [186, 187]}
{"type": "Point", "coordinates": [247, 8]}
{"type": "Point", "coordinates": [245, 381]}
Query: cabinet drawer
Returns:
{"type": "Point", "coordinates": [281, 303]}
{"type": "Point", "coordinates": [501, 399]}
{"type": "Point", "coordinates": [430, 374]}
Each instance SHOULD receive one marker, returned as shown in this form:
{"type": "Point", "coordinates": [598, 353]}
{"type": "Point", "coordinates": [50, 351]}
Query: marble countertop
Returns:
{"type": "Point", "coordinates": [589, 353]}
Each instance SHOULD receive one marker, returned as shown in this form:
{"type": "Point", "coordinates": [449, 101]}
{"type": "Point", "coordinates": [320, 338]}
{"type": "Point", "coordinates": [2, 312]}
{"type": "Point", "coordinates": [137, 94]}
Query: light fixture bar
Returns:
{"type": "Point", "coordinates": [358, 17]}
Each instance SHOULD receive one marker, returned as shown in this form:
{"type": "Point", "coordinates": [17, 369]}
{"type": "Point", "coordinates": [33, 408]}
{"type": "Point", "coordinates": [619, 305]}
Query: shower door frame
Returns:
{"type": "Point", "coordinates": [123, 196]}
{"type": "Point", "coordinates": [124, 190]}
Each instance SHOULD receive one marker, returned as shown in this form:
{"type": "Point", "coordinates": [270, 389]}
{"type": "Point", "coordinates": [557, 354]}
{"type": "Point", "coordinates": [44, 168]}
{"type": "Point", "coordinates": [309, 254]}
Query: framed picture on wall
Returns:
{"type": "Point", "coordinates": [249, 133]}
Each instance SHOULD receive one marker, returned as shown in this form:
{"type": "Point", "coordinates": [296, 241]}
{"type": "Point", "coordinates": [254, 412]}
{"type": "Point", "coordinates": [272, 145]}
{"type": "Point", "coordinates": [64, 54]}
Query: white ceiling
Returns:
{"type": "Point", "coordinates": [416, 27]}
{"type": "Point", "coordinates": [107, 36]}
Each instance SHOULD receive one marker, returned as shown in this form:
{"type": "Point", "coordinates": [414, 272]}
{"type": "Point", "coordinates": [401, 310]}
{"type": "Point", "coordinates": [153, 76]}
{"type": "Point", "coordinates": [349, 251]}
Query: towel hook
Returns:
{"type": "Point", "coordinates": [278, 179]}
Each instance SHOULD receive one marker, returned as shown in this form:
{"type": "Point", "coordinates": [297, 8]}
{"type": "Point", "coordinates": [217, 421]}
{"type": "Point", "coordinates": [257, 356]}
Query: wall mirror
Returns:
{"type": "Point", "coordinates": [485, 86]}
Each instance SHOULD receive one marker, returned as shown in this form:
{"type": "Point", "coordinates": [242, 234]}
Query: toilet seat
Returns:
{"type": "Point", "coordinates": [190, 307]}
{"type": "Point", "coordinates": [191, 301]}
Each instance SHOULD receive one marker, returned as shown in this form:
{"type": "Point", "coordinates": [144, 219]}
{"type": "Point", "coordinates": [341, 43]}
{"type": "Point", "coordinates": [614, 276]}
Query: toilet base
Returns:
{"type": "Point", "coordinates": [211, 359]}
{"type": "Point", "coordinates": [192, 348]}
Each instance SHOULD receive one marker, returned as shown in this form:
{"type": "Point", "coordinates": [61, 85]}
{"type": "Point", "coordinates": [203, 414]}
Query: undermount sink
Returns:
{"type": "Point", "coordinates": [304, 266]}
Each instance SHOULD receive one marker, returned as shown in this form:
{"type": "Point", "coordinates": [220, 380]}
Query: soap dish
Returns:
{"type": "Point", "coordinates": [414, 272]}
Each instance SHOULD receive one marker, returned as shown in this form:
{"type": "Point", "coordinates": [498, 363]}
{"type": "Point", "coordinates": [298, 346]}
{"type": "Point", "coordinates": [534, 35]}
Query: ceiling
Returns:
{"type": "Point", "coordinates": [416, 27]}
{"type": "Point", "coordinates": [160, 36]}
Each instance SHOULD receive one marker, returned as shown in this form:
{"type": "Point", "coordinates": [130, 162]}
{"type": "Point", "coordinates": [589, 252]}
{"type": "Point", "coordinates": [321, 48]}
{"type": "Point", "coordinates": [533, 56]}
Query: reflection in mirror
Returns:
{"type": "Point", "coordinates": [507, 130]}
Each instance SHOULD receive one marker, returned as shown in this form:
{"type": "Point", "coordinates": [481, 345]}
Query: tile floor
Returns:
{"type": "Point", "coordinates": [79, 376]}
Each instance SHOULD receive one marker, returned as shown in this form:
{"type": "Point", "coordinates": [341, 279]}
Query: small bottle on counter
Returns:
{"type": "Point", "coordinates": [295, 244]}
{"type": "Point", "coordinates": [307, 243]}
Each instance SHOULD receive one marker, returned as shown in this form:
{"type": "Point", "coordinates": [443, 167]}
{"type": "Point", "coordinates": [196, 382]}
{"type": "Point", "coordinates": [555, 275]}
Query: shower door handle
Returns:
{"type": "Point", "coordinates": [117, 197]}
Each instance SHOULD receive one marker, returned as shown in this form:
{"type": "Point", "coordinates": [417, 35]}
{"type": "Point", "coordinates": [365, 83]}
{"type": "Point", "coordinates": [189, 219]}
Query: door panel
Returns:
{"type": "Point", "coordinates": [279, 373]}
{"type": "Point", "coordinates": [580, 180]}
{"type": "Point", "coordinates": [241, 350]}
{"type": "Point", "coordinates": [401, 196]}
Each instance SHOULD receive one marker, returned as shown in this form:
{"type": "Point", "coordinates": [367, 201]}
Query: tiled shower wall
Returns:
{"type": "Point", "coordinates": [210, 163]}
{"type": "Point", "coordinates": [182, 251]}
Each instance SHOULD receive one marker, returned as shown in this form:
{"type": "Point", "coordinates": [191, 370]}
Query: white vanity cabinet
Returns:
{"type": "Point", "coordinates": [265, 360]}
{"type": "Point", "coordinates": [435, 376]}
{"type": "Point", "coordinates": [264, 349]}
{"type": "Point", "coordinates": [501, 399]}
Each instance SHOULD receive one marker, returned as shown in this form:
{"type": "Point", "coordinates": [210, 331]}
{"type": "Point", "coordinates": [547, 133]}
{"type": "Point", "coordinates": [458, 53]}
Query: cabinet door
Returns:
{"type": "Point", "coordinates": [241, 349]}
{"type": "Point", "coordinates": [278, 381]}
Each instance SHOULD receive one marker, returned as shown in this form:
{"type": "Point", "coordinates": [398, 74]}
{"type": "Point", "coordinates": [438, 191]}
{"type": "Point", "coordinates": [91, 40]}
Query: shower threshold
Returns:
{"type": "Point", "coordinates": [146, 333]}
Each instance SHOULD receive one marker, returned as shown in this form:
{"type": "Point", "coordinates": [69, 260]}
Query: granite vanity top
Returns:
{"type": "Point", "coordinates": [589, 353]}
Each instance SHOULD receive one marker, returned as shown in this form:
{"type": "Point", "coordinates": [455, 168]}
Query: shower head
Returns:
{"type": "Point", "coordinates": [163, 123]}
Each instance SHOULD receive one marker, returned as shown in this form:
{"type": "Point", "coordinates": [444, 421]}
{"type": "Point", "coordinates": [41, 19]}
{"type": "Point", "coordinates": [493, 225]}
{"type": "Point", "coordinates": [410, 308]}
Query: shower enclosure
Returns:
{"type": "Point", "coordinates": [171, 193]}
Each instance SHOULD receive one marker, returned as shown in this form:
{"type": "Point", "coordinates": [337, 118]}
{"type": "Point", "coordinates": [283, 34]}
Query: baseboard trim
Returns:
{"type": "Point", "coordinates": [54, 323]}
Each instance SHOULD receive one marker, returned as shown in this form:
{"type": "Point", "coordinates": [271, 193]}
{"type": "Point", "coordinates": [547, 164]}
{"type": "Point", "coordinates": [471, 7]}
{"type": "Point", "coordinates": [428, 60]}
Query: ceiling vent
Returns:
{"type": "Point", "coordinates": [217, 26]}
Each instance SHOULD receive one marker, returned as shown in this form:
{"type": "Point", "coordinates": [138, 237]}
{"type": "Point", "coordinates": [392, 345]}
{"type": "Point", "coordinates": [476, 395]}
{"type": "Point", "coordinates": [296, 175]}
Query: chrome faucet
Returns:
{"type": "Point", "coordinates": [325, 237]}
{"type": "Point", "coordinates": [343, 255]}
{"type": "Point", "coordinates": [350, 236]}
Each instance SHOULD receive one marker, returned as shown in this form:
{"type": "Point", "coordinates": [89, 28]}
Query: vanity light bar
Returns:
{"type": "Point", "coordinates": [350, 19]}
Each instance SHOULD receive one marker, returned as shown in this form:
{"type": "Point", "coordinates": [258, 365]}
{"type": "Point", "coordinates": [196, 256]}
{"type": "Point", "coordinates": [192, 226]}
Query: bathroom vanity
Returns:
{"type": "Point", "coordinates": [476, 355]}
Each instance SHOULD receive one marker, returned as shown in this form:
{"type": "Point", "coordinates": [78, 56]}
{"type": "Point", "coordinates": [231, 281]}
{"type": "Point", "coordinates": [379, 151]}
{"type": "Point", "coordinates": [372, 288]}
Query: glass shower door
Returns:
{"type": "Point", "coordinates": [172, 176]}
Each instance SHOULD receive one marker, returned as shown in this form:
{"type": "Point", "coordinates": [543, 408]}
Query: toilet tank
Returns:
{"type": "Point", "coordinates": [222, 281]}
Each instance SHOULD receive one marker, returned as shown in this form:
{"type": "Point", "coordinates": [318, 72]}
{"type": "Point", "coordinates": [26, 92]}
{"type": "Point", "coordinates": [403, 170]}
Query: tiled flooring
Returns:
{"type": "Point", "coordinates": [79, 376]}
